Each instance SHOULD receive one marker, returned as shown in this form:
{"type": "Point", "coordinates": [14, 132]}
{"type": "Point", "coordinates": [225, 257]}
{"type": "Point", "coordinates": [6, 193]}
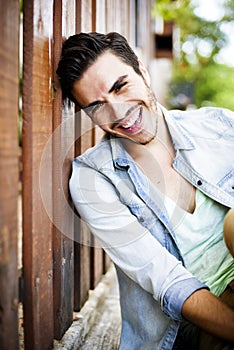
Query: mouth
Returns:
{"type": "Point", "coordinates": [133, 123]}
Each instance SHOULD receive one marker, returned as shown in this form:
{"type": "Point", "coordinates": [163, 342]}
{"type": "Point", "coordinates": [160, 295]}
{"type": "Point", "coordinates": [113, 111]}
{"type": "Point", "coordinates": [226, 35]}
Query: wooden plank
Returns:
{"type": "Point", "coordinates": [100, 17]}
{"type": "Point", "coordinates": [124, 18]}
{"type": "Point", "coordinates": [9, 89]}
{"type": "Point", "coordinates": [37, 127]}
{"type": "Point", "coordinates": [118, 18]}
{"type": "Point", "coordinates": [132, 23]}
{"type": "Point", "coordinates": [82, 264]}
{"type": "Point", "coordinates": [78, 20]}
{"type": "Point", "coordinates": [144, 29]}
{"type": "Point", "coordinates": [96, 254]}
{"type": "Point", "coordinates": [86, 15]}
{"type": "Point", "coordinates": [88, 244]}
{"type": "Point", "coordinates": [63, 153]}
{"type": "Point", "coordinates": [82, 251]}
{"type": "Point", "coordinates": [83, 140]}
{"type": "Point", "coordinates": [94, 11]}
{"type": "Point", "coordinates": [97, 264]}
{"type": "Point", "coordinates": [111, 15]}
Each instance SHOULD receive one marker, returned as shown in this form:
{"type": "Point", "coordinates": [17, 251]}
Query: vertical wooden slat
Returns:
{"type": "Point", "coordinates": [124, 18]}
{"type": "Point", "coordinates": [118, 18]}
{"type": "Point", "coordinates": [100, 18]}
{"type": "Point", "coordinates": [96, 270]}
{"type": "Point", "coordinates": [9, 83]}
{"type": "Point", "coordinates": [94, 11]}
{"type": "Point", "coordinates": [82, 263]}
{"type": "Point", "coordinates": [144, 29]}
{"type": "Point", "coordinates": [37, 127]}
{"type": "Point", "coordinates": [82, 244]}
{"type": "Point", "coordinates": [63, 136]}
{"type": "Point", "coordinates": [149, 33]}
{"type": "Point", "coordinates": [86, 15]}
{"type": "Point", "coordinates": [78, 16]}
{"type": "Point", "coordinates": [132, 23]}
{"type": "Point", "coordinates": [83, 140]}
{"type": "Point", "coordinates": [111, 15]}
{"type": "Point", "coordinates": [97, 263]}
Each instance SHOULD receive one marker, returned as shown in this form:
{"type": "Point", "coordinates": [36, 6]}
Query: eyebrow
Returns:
{"type": "Point", "coordinates": [117, 83]}
{"type": "Point", "coordinates": [114, 86]}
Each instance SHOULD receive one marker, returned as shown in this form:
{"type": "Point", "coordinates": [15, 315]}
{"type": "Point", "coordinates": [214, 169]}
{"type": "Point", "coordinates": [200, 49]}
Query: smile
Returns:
{"type": "Point", "coordinates": [133, 123]}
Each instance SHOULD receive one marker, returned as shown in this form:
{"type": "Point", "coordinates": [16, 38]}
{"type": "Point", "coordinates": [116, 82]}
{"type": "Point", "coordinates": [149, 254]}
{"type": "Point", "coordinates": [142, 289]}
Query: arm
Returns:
{"type": "Point", "coordinates": [129, 244]}
{"type": "Point", "coordinates": [208, 312]}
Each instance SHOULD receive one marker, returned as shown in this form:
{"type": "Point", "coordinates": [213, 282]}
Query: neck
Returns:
{"type": "Point", "coordinates": [163, 135]}
{"type": "Point", "coordinates": [162, 139]}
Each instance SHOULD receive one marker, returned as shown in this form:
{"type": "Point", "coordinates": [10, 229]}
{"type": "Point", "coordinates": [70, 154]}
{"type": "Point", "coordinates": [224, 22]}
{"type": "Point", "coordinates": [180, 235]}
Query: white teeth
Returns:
{"type": "Point", "coordinates": [130, 121]}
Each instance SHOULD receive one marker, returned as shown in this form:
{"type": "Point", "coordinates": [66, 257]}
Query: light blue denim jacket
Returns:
{"type": "Point", "coordinates": [126, 214]}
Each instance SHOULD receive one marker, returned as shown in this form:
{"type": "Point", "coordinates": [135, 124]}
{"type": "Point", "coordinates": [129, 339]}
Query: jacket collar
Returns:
{"type": "Point", "coordinates": [180, 137]}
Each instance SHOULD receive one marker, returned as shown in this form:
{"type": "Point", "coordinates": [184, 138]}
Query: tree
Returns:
{"type": "Point", "coordinates": [215, 86]}
{"type": "Point", "coordinates": [200, 43]}
{"type": "Point", "coordinates": [229, 10]}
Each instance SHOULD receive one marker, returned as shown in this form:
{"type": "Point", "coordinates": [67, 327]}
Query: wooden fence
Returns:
{"type": "Point", "coordinates": [57, 270]}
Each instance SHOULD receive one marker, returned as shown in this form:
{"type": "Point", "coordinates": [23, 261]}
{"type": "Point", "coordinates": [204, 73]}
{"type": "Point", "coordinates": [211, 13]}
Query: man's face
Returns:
{"type": "Point", "coordinates": [118, 99]}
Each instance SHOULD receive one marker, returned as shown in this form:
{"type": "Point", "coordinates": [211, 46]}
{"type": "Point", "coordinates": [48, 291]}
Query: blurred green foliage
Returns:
{"type": "Point", "coordinates": [197, 65]}
{"type": "Point", "coordinates": [215, 86]}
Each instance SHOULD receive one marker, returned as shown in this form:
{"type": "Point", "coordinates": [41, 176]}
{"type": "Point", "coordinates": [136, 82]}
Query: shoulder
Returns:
{"type": "Point", "coordinates": [208, 122]}
{"type": "Point", "coordinates": [204, 113]}
{"type": "Point", "coordinates": [95, 157]}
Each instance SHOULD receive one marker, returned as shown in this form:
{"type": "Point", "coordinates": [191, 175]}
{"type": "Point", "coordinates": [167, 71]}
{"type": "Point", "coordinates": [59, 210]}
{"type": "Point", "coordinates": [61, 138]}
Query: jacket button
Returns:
{"type": "Point", "coordinates": [141, 219]}
{"type": "Point", "coordinates": [199, 183]}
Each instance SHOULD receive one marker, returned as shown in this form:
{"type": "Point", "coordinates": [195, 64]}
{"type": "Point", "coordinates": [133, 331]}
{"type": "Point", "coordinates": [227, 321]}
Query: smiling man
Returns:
{"type": "Point", "coordinates": [155, 191]}
{"type": "Point", "coordinates": [111, 102]}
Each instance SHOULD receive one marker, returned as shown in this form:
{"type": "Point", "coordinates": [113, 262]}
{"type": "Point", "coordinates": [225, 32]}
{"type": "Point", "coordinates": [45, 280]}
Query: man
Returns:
{"type": "Point", "coordinates": [154, 191]}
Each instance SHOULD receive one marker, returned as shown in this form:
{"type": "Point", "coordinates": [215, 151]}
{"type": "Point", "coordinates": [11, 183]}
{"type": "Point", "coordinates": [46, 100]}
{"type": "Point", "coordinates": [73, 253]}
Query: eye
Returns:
{"type": "Point", "coordinates": [93, 110]}
{"type": "Point", "coordinates": [119, 87]}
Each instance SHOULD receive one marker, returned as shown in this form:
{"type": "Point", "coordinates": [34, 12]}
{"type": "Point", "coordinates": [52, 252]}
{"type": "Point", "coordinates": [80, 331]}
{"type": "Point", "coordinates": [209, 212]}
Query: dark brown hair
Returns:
{"type": "Point", "coordinates": [79, 51]}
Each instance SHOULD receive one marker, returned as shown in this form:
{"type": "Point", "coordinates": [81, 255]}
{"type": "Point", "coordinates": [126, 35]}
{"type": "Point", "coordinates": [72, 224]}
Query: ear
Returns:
{"type": "Point", "coordinates": [144, 72]}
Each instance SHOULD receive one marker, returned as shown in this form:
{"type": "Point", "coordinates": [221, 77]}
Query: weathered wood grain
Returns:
{"type": "Point", "coordinates": [37, 128]}
{"type": "Point", "coordinates": [9, 94]}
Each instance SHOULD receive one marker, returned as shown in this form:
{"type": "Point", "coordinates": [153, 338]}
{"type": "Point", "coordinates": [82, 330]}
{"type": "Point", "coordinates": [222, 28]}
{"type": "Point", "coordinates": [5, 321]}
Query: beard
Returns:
{"type": "Point", "coordinates": [153, 110]}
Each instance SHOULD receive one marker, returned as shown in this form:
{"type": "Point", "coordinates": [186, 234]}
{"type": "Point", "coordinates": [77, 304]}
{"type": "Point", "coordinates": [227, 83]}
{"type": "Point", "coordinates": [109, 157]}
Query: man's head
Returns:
{"type": "Point", "coordinates": [102, 75]}
{"type": "Point", "coordinates": [81, 50]}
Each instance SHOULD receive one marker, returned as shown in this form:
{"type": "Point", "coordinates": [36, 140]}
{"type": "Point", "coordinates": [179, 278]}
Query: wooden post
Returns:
{"type": "Point", "coordinates": [9, 101]}
{"type": "Point", "coordinates": [82, 239]}
{"type": "Point", "coordinates": [96, 251]}
{"type": "Point", "coordinates": [83, 140]}
{"type": "Point", "coordinates": [63, 153]}
{"type": "Point", "coordinates": [37, 128]}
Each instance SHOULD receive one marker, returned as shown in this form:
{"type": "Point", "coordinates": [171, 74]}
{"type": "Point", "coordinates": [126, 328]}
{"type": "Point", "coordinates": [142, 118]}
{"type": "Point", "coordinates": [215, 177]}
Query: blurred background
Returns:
{"type": "Point", "coordinates": [194, 46]}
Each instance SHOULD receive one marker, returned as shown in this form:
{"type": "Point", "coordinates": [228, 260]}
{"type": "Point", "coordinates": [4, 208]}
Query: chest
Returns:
{"type": "Point", "coordinates": [162, 175]}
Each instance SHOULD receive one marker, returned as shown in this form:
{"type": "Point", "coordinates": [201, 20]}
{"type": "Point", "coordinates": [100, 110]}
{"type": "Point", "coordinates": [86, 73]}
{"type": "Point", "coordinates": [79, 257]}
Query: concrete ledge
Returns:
{"type": "Point", "coordinates": [97, 326]}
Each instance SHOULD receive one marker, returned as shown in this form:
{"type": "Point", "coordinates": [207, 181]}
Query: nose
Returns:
{"type": "Point", "coordinates": [118, 109]}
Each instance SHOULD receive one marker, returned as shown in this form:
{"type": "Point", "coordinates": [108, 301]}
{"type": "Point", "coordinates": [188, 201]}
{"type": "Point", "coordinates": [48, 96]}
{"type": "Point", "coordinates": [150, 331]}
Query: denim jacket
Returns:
{"type": "Point", "coordinates": [126, 214]}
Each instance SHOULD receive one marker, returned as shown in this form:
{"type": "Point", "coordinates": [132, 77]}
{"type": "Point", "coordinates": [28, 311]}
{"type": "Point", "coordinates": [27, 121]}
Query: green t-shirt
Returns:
{"type": "Point", "coordinates": [200, 240]}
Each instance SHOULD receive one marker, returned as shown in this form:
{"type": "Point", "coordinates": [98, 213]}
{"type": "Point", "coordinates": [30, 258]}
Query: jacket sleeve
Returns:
{"type": "Point", "coordinates": [130, 245]}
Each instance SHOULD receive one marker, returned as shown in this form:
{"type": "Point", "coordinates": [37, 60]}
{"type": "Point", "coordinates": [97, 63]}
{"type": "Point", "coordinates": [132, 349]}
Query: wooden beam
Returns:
{"type": "Point", "coordinates": [63, 153]}
{"type": "Point", "coordinates": [37, 128]}
{"type": "Point", "coordinates": [9, 99]}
